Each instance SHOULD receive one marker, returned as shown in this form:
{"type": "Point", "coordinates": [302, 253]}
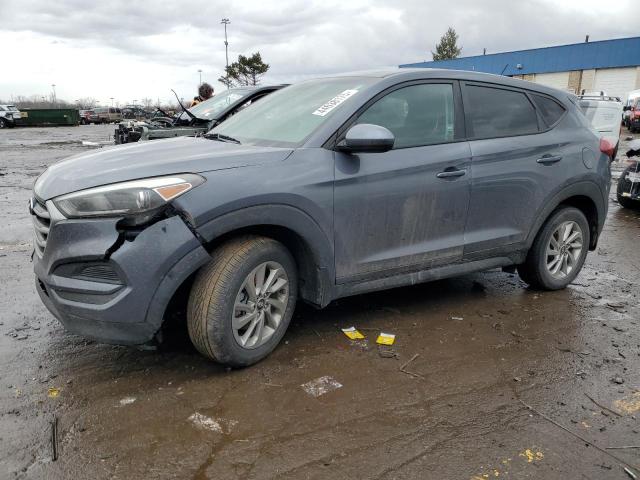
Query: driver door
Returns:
{"type": "Point", "coordinates": [405, 209]}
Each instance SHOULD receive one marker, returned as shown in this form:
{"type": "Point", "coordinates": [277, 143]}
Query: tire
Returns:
{"type": "Point", "coordinates": [535, 272]}
{"type": "Point", "coordinates": [222, 284]}
{"type": "Point", "coordinates": [3, 123]}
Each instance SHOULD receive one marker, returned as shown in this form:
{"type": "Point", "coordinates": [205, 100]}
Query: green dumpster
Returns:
{"type": "Point", "coordinates": [48, 117]}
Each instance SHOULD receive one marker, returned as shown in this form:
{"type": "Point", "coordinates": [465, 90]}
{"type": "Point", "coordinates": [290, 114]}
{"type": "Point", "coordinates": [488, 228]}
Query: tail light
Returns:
{"type": "Point", "coordinates": [607, 147]}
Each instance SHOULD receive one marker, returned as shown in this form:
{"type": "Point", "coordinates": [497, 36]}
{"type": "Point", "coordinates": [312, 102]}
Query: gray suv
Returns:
{"type": "Point", "coordinates": [324, 189]}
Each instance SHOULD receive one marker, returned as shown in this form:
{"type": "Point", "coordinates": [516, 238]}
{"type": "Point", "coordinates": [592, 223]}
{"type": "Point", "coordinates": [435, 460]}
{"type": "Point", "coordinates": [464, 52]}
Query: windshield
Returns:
{"type": "Point", "coordinates": [209, 108]}
{"type": "Point", "coordinates": [287, 117]}
{"type": "Point", "coordinates": [11, 108]}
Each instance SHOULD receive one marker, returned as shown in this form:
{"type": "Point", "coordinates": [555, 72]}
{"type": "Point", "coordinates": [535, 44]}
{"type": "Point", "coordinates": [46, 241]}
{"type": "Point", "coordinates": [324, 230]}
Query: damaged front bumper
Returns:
{"type": "Point", "coordinates": [108, 286]}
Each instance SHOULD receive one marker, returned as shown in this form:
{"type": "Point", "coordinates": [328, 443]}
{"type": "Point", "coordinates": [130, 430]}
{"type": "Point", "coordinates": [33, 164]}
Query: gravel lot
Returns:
{"type": "Point", "coordinates": [484, 344]}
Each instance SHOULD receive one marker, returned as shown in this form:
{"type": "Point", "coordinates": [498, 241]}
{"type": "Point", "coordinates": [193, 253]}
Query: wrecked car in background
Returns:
{"type": "Point", "coordinates": [8, 116]}
{"type": "Point", "coordinates": [628, 191]}
{"type": "Point", "coordinates": [194, 121]}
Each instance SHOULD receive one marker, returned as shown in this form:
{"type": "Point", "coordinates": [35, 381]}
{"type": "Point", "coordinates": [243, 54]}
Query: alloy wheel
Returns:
{"type": "Point", "coordinates": [260, 305]}
{"type": "Point", "coordinates": [564, 249]}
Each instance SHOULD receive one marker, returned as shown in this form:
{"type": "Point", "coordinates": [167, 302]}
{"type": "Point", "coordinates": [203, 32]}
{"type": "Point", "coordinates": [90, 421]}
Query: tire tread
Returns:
{"type": "Point", "coordinates": [211, 286]}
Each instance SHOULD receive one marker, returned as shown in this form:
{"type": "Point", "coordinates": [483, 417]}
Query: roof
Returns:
{"type": "Point", "coordinates": [623, 52]}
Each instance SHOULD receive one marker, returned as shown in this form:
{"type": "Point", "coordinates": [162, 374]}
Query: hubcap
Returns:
{"type": "Point", "coordinates": [564, 249]}
{"type": "Point", "coordinates": [260, 305]}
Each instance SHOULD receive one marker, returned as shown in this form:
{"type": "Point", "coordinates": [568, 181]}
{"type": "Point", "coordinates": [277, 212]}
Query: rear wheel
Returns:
{"type": "Point", "coordinates": [558, 251]}
{"type": "Point", "coordinates": [3, 123]}
{"type": "Point", "coordinates": [241, 303]}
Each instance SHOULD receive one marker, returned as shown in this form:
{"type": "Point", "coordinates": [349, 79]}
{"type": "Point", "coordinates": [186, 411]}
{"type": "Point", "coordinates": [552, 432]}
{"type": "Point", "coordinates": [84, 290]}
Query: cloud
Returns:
{"type": "Point", "coordinates": [137, 49]}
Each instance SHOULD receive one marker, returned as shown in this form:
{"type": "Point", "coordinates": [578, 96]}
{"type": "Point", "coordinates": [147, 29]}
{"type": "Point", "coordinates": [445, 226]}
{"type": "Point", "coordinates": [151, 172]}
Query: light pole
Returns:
{"type": "Point", "coordinates": [111, 101]}
{"type": "Point", "coordinates": [225, 22]}
{"type": "Point", "coordinates": [53, 98]}
{"type": "Point", "coordinates": [200, 73]}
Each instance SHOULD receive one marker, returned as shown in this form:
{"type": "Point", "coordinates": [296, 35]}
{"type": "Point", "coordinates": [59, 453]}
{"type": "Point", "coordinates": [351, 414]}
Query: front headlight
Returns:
{"type": "Point", "coordinates": [138, 197]}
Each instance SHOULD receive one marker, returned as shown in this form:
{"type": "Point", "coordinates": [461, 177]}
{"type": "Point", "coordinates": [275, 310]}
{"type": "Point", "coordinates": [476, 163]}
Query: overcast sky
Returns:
{"type": "Point", "coordinates": [130, 50]}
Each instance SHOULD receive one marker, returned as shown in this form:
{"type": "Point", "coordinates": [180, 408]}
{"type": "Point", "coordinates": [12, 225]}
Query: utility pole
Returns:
{"type": "Point", "coordinates": [225, 22]}
{"type": "Point", "coordinates": [200, 73]}
{"type": "Point", "coordinates": [53, 97]}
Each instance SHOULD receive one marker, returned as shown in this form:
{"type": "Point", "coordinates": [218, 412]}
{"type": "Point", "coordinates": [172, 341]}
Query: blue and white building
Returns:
{"type": "Point", "coordinates": [612, 66]}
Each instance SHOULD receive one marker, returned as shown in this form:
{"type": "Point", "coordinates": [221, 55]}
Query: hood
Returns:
{"type": "Point", "coordinates": [149, 159]}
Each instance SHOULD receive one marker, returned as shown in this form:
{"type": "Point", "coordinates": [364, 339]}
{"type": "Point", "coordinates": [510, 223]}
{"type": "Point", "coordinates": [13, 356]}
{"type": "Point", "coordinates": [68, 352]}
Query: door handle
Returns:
{"type": "Point", "coordinates": [549, 159]}
{"type": "Point", "coordinates": [451, 173]}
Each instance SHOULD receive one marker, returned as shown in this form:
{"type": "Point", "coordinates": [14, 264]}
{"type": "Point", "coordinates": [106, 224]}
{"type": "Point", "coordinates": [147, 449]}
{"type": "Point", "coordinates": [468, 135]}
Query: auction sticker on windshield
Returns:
{"type": "Point", "coordinates": [334, 102]}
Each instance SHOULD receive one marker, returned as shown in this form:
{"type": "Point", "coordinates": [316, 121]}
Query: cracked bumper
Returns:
{"type": "Point", "coordinates": [121, 300]}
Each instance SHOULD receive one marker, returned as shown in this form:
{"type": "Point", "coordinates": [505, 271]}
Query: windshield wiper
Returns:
{"type": "Point", "coordinates": [221, 138]}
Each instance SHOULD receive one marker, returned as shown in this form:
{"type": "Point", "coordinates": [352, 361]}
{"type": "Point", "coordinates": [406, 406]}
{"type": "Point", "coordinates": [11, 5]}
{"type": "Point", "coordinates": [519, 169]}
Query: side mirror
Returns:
{"type": "Point", "coordinates": [367, 138]}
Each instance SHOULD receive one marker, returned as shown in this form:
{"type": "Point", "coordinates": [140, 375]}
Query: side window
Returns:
{"type": "Point", "coordinates": [495, 112]}
{"type": "Point", "coordinates": [550, 110]}
{"type": "Point", "coordinates": [112, 110]}
{"type": "Point", "coordinates": [416, 115]}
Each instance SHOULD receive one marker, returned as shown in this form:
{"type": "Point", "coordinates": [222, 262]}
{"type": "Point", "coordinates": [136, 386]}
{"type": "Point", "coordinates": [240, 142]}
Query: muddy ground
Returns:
{"type": "Point", "coordinates": [484, 343]}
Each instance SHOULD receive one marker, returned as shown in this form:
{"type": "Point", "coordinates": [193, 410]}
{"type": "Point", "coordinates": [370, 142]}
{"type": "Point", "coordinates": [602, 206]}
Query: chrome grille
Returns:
{"type": "Point", "coordinates": [41, 223]}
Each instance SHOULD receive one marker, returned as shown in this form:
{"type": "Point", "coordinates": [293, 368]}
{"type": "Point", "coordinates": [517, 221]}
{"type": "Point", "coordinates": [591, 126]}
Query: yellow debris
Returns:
{"type": "Point", "coordinates": [53, 392]}
{"type": "Point", "coordinates": [532, 456]}
{"type": "Point", "coordinates": [629, 404]}
{"type": "Point", "coordinates": [352, 333]}
{"type": "Point", "coordinates": [386, 338]}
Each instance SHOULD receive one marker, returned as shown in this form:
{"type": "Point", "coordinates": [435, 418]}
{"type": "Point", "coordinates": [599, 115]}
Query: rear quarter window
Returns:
{"type": "Point", "coordinates": [495, 112]}
{"type": "Point", "coordinates": [550, 110]}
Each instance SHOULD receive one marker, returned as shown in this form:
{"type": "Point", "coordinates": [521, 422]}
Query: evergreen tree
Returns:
{"type": "Point", "coordinates": [245, 71]}
{"type": "Point", "coordinates": [448, 46]}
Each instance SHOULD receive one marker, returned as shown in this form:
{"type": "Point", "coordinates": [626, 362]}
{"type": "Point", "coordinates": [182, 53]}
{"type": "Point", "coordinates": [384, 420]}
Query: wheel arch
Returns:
{"type": "Point", "coordinates": [586, 197]}
{"type": "Point", "coordinates": [296, 230]}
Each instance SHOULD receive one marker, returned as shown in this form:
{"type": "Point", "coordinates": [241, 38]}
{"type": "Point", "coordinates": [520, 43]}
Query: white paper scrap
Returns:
{"type": "Point", "coordinates": [218, 425]}
{"type": "Point", "coordinates": [321, 385]}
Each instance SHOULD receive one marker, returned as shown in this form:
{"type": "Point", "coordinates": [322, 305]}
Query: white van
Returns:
{"type": "Point", "coordinates": [605, 114]}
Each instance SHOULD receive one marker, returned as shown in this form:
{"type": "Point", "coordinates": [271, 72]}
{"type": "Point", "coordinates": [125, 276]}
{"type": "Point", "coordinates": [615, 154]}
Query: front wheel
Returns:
{"type": "Point", "coordinates": [3, 123]}
{"type": "Point", "coordinates": [241, 303]}
{"type": "Point", "coordinates": [558, 251]}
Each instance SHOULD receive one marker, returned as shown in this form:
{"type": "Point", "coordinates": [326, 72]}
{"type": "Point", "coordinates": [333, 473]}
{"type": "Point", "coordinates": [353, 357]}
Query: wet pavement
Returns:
{"type": "Point", "coordinates": [481, 346]}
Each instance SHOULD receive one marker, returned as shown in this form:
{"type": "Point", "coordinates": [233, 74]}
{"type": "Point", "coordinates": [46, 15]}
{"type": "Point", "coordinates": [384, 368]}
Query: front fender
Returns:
{"type": "Point", "coordinates": [318, 245]}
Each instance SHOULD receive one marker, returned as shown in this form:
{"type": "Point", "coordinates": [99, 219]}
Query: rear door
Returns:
{"type": "Point", "coordinates": [518, 159]}
{"type": "Point", "coordinates": [404, 209]}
